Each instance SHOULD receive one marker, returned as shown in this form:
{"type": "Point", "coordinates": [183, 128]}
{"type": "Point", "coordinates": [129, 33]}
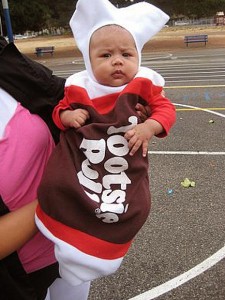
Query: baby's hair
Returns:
{"type": "Point", "coordinates": [113, 27]}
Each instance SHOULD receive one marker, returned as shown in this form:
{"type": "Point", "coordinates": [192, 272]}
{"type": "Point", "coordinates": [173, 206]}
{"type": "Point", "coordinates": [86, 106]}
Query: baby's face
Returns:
{"type": "Point", "coordinates": [113, 56]}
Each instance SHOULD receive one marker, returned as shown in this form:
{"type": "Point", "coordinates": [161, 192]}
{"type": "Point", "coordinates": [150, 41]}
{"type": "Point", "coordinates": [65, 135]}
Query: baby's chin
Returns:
{"type": "Point", "coordinates": [116, 83]}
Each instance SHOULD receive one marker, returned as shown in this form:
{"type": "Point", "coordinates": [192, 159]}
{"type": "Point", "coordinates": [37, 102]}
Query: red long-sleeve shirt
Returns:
{"type": "Point", "coordinates": [148, 88]}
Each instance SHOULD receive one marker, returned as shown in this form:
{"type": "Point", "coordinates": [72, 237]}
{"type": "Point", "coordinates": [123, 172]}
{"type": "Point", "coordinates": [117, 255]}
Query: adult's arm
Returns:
{"type": "Point", "coordinates": [16, 228]}
{"type": "Point", "coordinates": [30, 83]}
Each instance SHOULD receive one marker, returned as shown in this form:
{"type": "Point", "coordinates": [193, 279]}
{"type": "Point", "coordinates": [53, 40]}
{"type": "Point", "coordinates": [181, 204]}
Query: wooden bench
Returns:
{"type": "Point", "coordinates": [201, 38]}
{"type": "Point", "coordinates": [39, 51]}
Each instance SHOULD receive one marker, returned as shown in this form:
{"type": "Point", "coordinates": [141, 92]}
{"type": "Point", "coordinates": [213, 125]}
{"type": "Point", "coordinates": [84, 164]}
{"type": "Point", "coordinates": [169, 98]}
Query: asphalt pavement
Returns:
{"type": "Point", "coordinates": [179, 253]}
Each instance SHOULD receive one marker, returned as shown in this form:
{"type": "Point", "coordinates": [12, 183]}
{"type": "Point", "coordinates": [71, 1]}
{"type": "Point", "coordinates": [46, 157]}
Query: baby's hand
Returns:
{"type": "Point", "coordinates": [141, 134]}
{"type": "Point", "coordinates": [74, 118]}
{"type": "Point", "coordinates": [137, 137]}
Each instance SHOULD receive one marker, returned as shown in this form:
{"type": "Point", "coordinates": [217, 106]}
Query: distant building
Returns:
{"type": "Point", "coordinates": [220, 18]}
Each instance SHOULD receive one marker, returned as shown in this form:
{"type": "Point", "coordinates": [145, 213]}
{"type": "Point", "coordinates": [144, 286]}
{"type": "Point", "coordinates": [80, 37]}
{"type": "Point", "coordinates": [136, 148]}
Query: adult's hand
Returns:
{"type": "Point", "coordinates": [143, 111]}
{"type": "Point", "coordinates": [16, 228]}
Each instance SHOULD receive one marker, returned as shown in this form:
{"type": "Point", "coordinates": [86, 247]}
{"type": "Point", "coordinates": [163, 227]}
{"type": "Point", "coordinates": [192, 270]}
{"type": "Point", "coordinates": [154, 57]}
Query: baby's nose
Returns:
{"type": "Point", "coordinates": [117, 61]}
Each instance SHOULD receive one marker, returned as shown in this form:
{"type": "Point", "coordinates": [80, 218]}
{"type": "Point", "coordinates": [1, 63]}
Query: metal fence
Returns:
{"type": "Point", "coordinates": [202, 21]}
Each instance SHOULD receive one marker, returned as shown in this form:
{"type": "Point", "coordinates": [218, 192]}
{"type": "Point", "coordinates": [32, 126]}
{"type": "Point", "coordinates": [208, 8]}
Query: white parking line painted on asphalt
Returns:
{"type": "Point", "coordinates": [179, 280]}
{"type": "Point", "coordinates": [200, 109]}
{"type": "Point", "coordinates": [186, 152]}
{"type": "Point", "coordinates": [192, 152]}
{"type": "Point", "coordinates": [194, 86]}
{"type": "Point", "coordinates": [203, 109]}
{"type": "Point", "coordinates": [198, 269]}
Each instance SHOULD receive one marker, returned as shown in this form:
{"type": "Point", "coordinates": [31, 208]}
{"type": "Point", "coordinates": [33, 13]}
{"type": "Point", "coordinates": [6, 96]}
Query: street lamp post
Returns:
{"type": "Point", "coordinates": [7, 20]}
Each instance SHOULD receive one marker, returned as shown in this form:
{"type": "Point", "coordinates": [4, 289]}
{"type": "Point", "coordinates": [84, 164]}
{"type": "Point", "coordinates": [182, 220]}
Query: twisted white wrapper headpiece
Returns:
{"type": "Point", "coordinates": [142, 20]}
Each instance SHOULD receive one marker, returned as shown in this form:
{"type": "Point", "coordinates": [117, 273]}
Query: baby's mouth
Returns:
{"type": "Point", "coordinates": [118, 74]}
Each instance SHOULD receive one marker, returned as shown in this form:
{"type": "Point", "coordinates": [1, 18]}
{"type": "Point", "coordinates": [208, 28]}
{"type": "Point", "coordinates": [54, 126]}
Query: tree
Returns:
{"type": "Point", "coordinates": [39, 14]}
{"type": "Point", "coordinates": [200, 8]}
{"type": "Point", "coordinates": [30, 15]}
{"type": "Point", "coordinates": [61, 12]}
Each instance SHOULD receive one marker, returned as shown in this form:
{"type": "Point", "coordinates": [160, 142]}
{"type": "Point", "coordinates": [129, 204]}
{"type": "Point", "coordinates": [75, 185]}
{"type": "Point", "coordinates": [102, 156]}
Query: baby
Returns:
{"type": "Point", "coordinates": [94, 196]}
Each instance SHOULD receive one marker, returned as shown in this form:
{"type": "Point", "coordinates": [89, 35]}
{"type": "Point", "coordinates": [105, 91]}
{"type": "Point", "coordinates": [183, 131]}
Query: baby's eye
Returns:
{"type": "Point", "coordinates": [126, 54]}
{"type": "Point", "coordinates": [107, 55]}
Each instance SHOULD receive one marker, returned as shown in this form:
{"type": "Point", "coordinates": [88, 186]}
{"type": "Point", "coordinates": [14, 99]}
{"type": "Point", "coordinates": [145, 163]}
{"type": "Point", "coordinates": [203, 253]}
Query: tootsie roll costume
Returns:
{"type": "Point", "coordinates": [94, 196]}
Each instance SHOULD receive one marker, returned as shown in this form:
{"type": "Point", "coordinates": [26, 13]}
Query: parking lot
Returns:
{"type": "Point", "coordinates": [179, 253]}
{"type": "Point", "coordinates": [186, 225]}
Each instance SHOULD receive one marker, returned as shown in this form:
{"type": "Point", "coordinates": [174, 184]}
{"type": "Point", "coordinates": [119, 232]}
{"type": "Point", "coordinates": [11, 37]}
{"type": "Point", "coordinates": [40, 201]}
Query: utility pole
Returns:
{"type": "Point", "coordinates": [7, 20]}
{"type": "Point", "coordinates": [1, 31]}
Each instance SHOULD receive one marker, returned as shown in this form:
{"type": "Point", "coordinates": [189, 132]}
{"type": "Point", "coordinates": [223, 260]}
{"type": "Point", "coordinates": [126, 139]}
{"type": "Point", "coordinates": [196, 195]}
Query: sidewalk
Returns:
{"type": "Point", "coordinates": [170, 38]}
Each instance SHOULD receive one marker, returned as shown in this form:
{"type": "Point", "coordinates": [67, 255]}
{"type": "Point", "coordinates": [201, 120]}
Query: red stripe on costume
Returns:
{"type": "Point", "coordinates": [106, 103]}
{"type": "Point", "coordinates": [80, 93]}
{"type": "Point", "coordinates": [138, 87]}
{"type": "Point", "coordinates": [82, 241]}
{"type": "Point", "coordinates": [103, 104]}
